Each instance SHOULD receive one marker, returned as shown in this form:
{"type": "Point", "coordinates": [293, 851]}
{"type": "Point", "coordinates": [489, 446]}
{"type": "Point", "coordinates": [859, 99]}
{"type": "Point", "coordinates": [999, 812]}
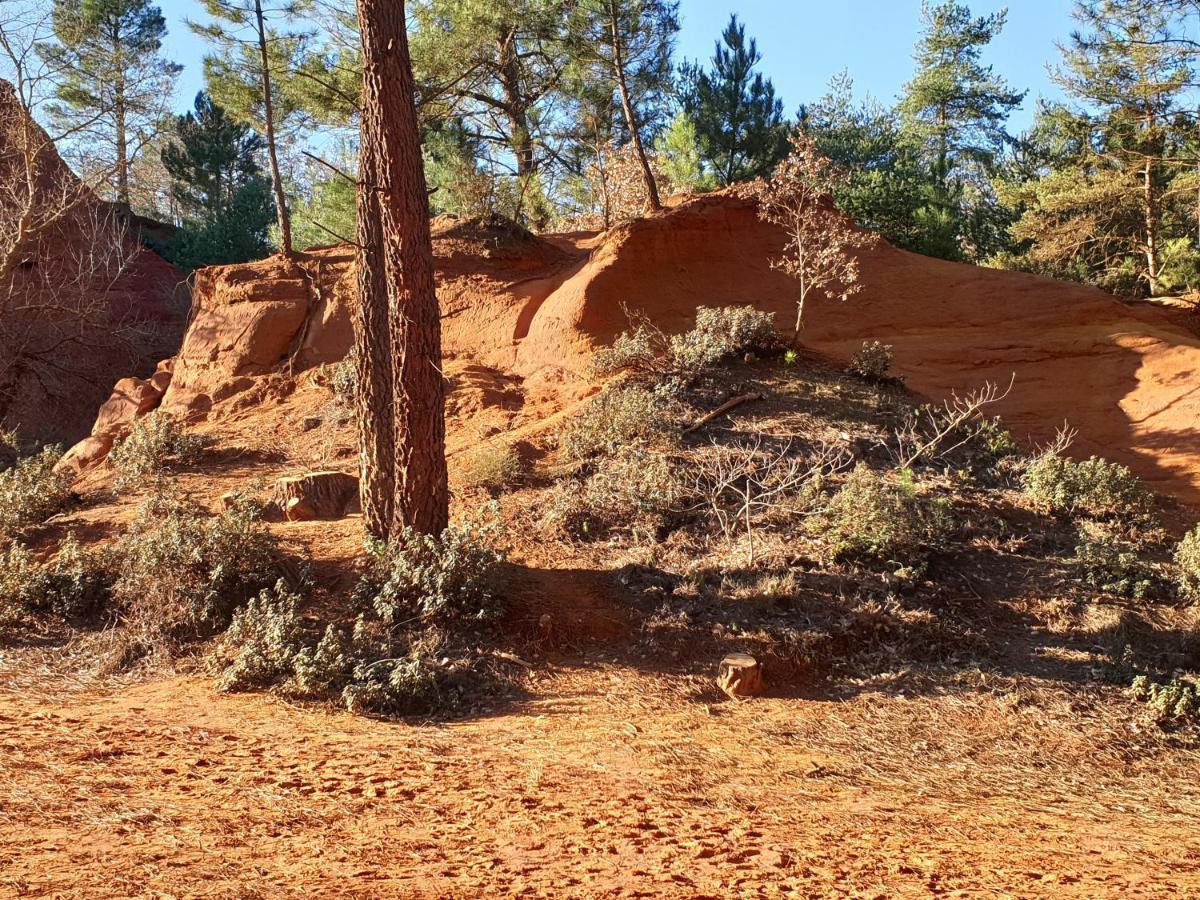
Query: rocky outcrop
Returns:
{"type": "Point", "coordinates": [131, 399]}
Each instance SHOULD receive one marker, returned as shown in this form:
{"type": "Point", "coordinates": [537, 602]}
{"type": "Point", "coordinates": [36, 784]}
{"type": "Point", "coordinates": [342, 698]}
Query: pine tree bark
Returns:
{"type": "Point", "coordinates": [390, 131]}
{"type": "Point", "coordinates": [373, 357]}
{"type": "Point", "coordinates": [281, 207]}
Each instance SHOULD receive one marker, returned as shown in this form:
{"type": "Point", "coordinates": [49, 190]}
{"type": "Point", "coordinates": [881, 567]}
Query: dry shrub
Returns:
{"type": "Point", "coordinates": [619, 416]}
{"type": "Point", "coordinates": [76, 583]}
{"type": "Point", "coordinates": [183, 572]}
{"type": "Point", "coordinates": [155, 446]}
{"type": "Point", "coordinates": [1187, 566]}
{"type": "Point", "coordinates": [31, 491]}
{"type": "Point", "coordinates": [871, 361]}
{"type": "Point", "coordinates": [1177, 702]}
{"type": "Point", "coordinates": [719, 333]}
{"type": "Point", "coordinates": [885, 515]}
{"type": "Point", "coordinates": [1094, 487]}
{"type": "Point", "coordinates": [636, 489]}
{"type": "Point", "coordinates": [1112, 564]}
{"type": "Point", "coordinates": [397, 659]}
{"type": "Point", "coordinates": [494, 468]}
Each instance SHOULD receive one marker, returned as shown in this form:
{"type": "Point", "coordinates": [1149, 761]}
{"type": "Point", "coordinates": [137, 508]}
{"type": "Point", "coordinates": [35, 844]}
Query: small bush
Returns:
{"type": "Point", "coordinates": [31, 491]}
{"type": "Point", "coordinates": [1111, 564]}
{"type": "Point", "coordinates": [885, 516]}
{"type": "Point", "coordinates": [1175, 703]}
{"type": "Point", "coordinates": [183, 572]}
{"type": "Point", "coordinates": [1094, 487]}
{"type": "Point", "coordinates": [10, 449]}
{"type": "Point", "coordinates": [154, 446]}
{"type": "Point", "coordinates": [996, 439]}
{"type": "Point", "coordinates": [720, 333]}
{"type": "Point", "coordinates": [494, 468]}
{"type": "Point", "coordinates": [635, 350]}
{"type": "Point", "coordinates": [635, 489]}
{"type": "Point", "coordinates": [266, 636]}
{"type": "Point", "coordinates": [1187, 566]}
{"type": "Point", "coordinates": [871, 361]}
{"type": "Point", "coordinates": [76, 583]}
{"type": "Point", "coordinates": [444, 578]}
{"type": "Point", "coordinates": [343, 380]}
{"type": "Point", "coordinates": [617, 417]}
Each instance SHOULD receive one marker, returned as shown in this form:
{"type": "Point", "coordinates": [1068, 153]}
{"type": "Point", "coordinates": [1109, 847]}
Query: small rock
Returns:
{"type": "Point", "coordinates": [299, 511]}
{"type": "Point", "coordinates": [308, 423]}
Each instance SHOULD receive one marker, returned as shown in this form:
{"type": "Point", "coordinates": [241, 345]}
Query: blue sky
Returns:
{"type": "Point", "coordinates": [803, 43]}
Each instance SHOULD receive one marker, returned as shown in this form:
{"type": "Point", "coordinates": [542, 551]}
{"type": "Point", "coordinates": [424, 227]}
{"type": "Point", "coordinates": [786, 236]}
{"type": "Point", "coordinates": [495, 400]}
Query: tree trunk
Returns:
{"type": "Point", "coordinates": [652, 201]}
{"type": "Point", "coordinates": [122, 136]}
{"type": "Point", "coordinates": [281, 208]}
{"type": "Point", "coordinates": [390, 131]}
{"type": "Point", "coordinates": [373, 356]}
{"type": "Point", "coordinates": [1150, 202]}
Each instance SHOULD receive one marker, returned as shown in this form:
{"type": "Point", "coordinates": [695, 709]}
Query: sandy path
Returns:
{"type": "Point", "coordinates": [169, 789]}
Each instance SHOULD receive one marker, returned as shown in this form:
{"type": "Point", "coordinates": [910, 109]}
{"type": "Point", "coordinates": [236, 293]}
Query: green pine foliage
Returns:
{"type": "Point", "coordinates": [739, 120]}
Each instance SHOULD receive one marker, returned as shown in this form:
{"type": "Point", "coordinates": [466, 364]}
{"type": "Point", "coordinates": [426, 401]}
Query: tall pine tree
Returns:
{"type": "Point", "coordinates": [223, 199]}
{"type": "Point", "coordinates": [738, 118]}
{"type": "Point", "coordinates": [956, 108]}
{"type": "Point", "coordinates": [114, 85]}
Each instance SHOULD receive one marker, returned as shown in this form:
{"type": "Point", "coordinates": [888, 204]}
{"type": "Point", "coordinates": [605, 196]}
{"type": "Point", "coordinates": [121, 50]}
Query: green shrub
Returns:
{"type": "Point", "coordinates": [76, 583]}
{"type": "Point", "coordinates": [494, 468]}
{"type": "Point", "coordinates": [634, 489]}
{"type": "Point", "coordinates": [266, 635]}
{"type": "Point", "coordinates": [155, 445]}
{"type": "Point", "coordinates": [1187, 566]}
{"type": "Point", "coordinates": [1175, 703]}
{"type": "Point", "coordinates": [871, 361]}
{"type": "Point", "coordinates": [183, 572]}
{"type": "Point", "coordinates": [617, 417]}
{"type": "Point", "coordinates": [1093, 487]}
{"type": "Point", "coordinates": [31, 491]}
{"type": "Point", "coordinates": [996, 439]}
{"type": "Point", "coordinates": [720, 333]}
{"type": "Point", "coordinates": [636, 350]}
{"type": "Point", "coordinates": [443, 578]}
{"type": "Point", "coordinates": [1111, 564]}
{"type": "Point", "coordinates": [886, 516]}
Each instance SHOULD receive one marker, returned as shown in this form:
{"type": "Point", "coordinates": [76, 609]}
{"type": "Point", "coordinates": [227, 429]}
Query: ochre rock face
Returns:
{"type": "Point", "coordinates": [136, 304]}
{"type": "Point", "coordinates": [535, 308]}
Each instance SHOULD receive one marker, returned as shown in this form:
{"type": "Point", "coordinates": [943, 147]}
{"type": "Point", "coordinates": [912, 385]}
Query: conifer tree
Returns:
{"type": "Point", "coordinates": [738, 118]}
{"type": "Point", "coordinates": [242, 76]}
{"type": "Point", "coordinates": [114, 86]}
{"type": "Point", "coordinates": [223, 200]}
{"type": "Point", "coordinates": [956, 108]}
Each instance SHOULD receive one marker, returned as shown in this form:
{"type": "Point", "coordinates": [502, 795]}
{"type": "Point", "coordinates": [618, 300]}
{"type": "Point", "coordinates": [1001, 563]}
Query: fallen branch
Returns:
{"type": "Point", "coordinates": [721, 410]}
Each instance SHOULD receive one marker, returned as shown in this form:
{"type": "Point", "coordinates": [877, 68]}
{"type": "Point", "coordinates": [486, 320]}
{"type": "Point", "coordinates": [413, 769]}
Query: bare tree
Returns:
{"type": "Point", "coordinates": [62, 252]}
{"type": "Point", "coordinates": [822, 244]}
{"type": "Point", "coordinates": [398, 259]}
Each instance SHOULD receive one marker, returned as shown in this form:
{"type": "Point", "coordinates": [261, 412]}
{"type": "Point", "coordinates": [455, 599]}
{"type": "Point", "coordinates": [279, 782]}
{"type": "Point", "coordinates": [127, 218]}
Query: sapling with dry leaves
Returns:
{"type": "Point", "coordinates": [823, 244]}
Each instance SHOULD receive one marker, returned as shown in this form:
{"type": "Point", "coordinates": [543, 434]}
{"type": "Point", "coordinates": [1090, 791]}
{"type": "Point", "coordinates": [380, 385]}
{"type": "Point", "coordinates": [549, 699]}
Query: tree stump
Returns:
{"type": "Point", "coordinates": [740, 676]}
{"type": "Point", "coordinates": [317, 495]}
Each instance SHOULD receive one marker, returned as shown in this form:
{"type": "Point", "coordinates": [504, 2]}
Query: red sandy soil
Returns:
{"type": "Point", "coordinates": [611, 783]}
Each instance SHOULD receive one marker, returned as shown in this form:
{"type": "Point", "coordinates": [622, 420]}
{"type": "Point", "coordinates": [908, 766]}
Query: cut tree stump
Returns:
{"type": "Point", "coordinates": [740, 676]}
{"type": "Point", "coordinates": [317, 495]}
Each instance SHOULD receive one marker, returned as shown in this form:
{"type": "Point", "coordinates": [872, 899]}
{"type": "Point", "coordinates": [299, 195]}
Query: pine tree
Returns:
{"type": "Point", "coordinates": [114, 86]}
{"type": "Point", "coordinates": [956, 109]}
{"type": "Point", "coordinates": [222, 198]}
{"type": "Point", "coordinates": [1113, 195]}
{"type": "Point", "coordinates": [738, 117]}
{"type": "Point", "coordinates": [678, 150]}
{"type": "Point", "coordinates": [627, 46]}
{"type": "Point", "coordinates": [398, 333]}
{"type": "Point", "coordinates": [242, 74]}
